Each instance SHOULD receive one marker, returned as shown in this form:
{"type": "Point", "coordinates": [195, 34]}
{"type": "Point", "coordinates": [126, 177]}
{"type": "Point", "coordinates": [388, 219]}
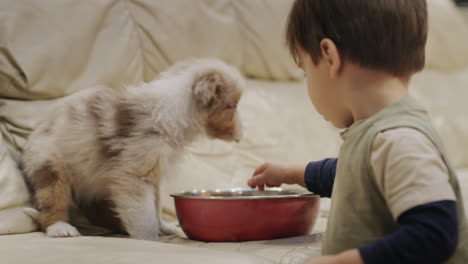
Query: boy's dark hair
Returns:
{"type": "Point", "coordinates": [385, 35]}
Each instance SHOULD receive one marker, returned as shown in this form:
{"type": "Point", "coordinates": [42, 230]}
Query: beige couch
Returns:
{"type": "Point", "coordinates": [49, 49]}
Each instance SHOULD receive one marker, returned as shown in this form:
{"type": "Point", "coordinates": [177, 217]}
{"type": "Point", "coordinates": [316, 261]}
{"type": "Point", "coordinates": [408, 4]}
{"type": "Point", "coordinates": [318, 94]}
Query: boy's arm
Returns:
{"type": "Point", "coordinates": [319, 176]}
{"type": "Point", "coordinates": [428, 234]}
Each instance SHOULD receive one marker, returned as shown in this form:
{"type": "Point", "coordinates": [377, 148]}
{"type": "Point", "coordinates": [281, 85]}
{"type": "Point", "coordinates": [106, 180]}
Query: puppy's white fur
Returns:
{"type": "Point", "coordinates": [114, 144]}
{"type": "Point", "coordinates": [61, 229]}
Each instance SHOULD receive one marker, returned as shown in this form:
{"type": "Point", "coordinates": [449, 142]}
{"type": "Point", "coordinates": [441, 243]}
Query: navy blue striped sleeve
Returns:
{"type": "Point", "coordinates": [428, 234]}
{"type": "Point", "coordinates": [319, 176]}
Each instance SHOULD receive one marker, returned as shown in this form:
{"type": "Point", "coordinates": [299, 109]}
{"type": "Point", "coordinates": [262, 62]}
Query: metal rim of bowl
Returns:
{"type": "Point", "coordinates": [184, 194]}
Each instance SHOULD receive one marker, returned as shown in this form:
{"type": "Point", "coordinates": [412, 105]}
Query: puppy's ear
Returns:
{"type": "Point", "coordinates": [207, 87]}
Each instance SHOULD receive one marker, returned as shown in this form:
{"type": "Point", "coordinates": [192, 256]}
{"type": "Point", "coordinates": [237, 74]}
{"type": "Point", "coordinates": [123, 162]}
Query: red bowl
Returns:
{"type": "Point", "coordinates": [245, 214]}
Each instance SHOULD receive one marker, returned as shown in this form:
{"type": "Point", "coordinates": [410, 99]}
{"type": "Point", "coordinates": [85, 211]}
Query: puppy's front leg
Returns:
{"type": "Point", "coordinates": [136, 209]}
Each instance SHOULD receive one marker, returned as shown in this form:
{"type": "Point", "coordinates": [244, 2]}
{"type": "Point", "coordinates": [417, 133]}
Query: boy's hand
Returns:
{"type": "Point", "coordinates": [348, 257]}
{"type": "Point", "coordinates": [269, 174]}
{"type": "Point", "coordinates": [274, 174]}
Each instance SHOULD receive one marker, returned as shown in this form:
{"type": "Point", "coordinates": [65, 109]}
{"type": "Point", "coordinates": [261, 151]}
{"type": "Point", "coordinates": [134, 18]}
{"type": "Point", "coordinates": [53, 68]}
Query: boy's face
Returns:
{"type": "Point", "coordinates": [323, 89]}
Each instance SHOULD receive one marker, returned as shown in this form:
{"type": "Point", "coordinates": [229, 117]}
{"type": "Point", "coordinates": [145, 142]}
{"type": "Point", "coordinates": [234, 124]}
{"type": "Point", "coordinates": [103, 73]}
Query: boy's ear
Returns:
{"type": "Point", "coordinates": [332, 57]}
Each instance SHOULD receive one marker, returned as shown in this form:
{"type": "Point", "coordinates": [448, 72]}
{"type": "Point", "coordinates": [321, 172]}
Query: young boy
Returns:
{"type": "Point", "coordinates": [395, 196]}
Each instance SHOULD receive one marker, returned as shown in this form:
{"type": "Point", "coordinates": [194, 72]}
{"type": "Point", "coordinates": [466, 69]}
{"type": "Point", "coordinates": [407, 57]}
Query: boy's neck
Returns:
{"type": "Point", "coordinates": [366, 92]}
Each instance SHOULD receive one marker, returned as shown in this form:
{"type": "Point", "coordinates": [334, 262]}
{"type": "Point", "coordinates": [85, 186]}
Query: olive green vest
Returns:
{"type": "Point", "coordinates": [359, 214]}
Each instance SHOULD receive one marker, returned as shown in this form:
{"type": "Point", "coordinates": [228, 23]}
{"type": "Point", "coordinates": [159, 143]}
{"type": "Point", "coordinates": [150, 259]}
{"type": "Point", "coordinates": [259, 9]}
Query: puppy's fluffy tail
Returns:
{"type": "Point", "coordinates": [33, 213]}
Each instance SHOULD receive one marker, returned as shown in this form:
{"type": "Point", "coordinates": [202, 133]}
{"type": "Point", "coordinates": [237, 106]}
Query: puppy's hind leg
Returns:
{"type": "Point", "coordinates": [53, 198]}
{"type": "Point", "coordinates": [168, 229]}
{"type": "Point", "coordinates": [135, 206]}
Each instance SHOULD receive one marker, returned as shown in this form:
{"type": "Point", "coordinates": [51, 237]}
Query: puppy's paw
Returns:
{"type": "Point", "coordinates": [150, 236]}
{"type": "Point", "coordinates": [167, 229]}
{"type": "Point", "coordinates": [61, 229]}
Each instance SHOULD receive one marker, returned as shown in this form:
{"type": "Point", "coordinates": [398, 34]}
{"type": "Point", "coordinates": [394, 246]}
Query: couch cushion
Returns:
{"type": "Point", "coordinates": [49, 50]}
{"type": "Point", "coordinates": [56, 48]}
{"type": "Point", "coordinates": [262, 29]}
{"type": "Point", "coordinates": [444, 96]}
{"type": "Point", "coordinates": [293, 250]}
{"type": "Point", "coordinates": [39, 249]}
{"type": "Point", "coordinates": [14, 195]}
{"type": "Point", "coordinates": [53, 48]}
{"type": "Point", "coordinates": [448, 37]}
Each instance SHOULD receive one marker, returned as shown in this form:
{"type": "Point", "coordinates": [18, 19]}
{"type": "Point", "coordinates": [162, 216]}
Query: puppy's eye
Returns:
{"type": "Point", "coordinates": [231, 106]}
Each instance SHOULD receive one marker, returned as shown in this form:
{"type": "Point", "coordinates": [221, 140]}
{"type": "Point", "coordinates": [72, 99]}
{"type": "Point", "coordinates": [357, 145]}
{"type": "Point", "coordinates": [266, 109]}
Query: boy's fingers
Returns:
{"type": "Point", "coordinates": [251, 183]}
{"type": "Point", "coordinates": [256, 180]}
{"type": "Point", "coordinates": [261, 187]}
{"type": "Point", "coordinates": [260, 169]}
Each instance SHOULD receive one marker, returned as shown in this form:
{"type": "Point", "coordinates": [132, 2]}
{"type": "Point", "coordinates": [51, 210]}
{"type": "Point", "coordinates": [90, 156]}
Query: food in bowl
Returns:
{"type": "Point", "coordinates": [245, 214]}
